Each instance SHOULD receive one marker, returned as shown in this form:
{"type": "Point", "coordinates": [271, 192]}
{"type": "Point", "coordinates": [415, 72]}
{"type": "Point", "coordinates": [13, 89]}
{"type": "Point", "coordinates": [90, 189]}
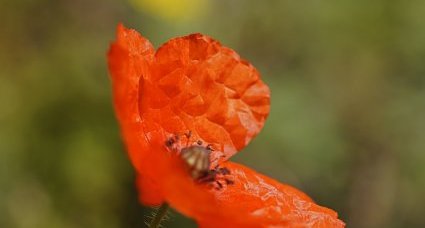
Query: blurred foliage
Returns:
{"type": "Point", "coordinates": [172, 10]}
{"type": "Point", "coordinates": [347, 122]}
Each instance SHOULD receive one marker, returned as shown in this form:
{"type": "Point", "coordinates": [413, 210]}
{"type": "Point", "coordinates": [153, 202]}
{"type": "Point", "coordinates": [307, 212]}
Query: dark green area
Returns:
{"type": "Point", "coordinates": [347, 124]}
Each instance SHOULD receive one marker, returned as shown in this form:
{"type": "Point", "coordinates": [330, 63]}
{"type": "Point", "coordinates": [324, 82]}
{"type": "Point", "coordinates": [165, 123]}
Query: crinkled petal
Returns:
{"type": "Point", "coordinates": [197, 84]}
{"type": "Point", "coordinates": [129, 58]}
{"type": "Point", "coordinates": [251, 200]}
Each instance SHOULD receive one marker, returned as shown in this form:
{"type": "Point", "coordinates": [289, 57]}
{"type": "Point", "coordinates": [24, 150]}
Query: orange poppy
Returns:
{"type": "Point", "coordinates": [194, 91]}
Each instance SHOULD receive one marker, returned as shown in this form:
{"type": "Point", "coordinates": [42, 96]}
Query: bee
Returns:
{"type": "Point", "coordinates": [197, 160]}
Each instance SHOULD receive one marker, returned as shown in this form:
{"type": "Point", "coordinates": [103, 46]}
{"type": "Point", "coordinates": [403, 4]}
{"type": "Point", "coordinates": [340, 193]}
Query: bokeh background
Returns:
{"type": "Point", "coordinates": [347, 124]}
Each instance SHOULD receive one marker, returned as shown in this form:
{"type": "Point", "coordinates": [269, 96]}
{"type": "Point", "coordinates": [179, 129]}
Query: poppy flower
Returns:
{"type": "Point", "coordinates": [194, 91]}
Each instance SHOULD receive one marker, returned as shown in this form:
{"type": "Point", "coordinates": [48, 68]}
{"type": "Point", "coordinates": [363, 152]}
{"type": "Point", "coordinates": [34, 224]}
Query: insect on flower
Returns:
{"type": "Point", "coordinates": [197, 159]}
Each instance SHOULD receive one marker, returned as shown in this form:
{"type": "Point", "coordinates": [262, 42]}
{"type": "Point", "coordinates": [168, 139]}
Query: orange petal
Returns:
{"type": "Point", "coordinates": [196, 84]}
{"type": "Point", "coordinates": [260, 201]}
{"type": "Point", "coordinates": [252, 200]}
{"type": "Point", "coordinates": [128, 58]}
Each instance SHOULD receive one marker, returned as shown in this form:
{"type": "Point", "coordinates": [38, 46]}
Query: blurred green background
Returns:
{"type": "Point", "coordinates": [347, 124]}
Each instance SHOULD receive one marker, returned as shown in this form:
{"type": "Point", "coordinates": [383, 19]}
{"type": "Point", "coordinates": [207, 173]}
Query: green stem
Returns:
{"type": "Point", "coordinates": [162, 211]}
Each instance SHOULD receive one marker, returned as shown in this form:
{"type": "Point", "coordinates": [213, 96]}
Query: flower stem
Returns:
{"type": "Point", "coordinates": [162, 211]}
